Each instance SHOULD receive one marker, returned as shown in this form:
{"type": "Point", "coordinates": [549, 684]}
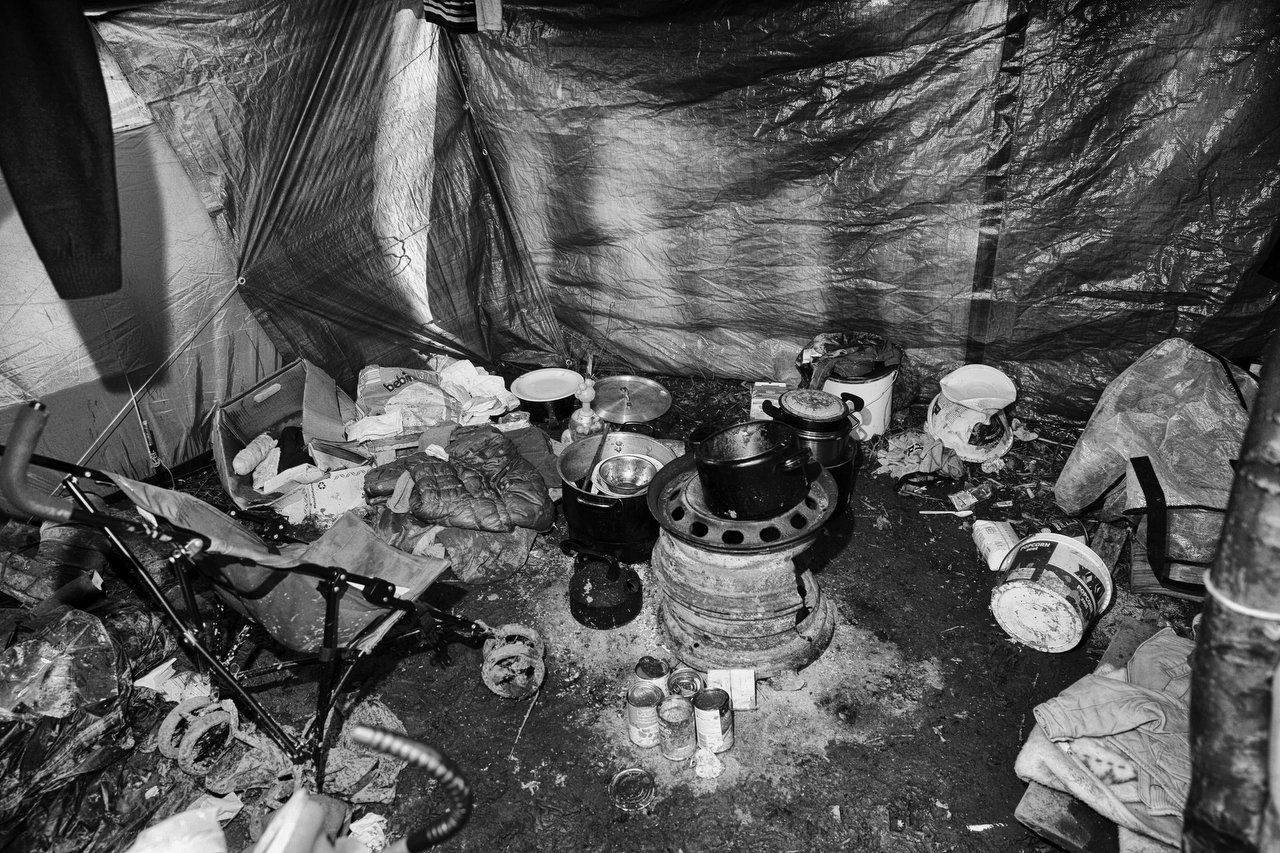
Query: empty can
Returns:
{"type": "Point", "coordinates": [651, 670]}
{"type": "Point", "coordinates": [642, 713]}
{"type": "Point", "coordinates": [677, 735]}
{"type": "Point", "coordinates": [684, 681]}
{"type": "Point", "coordinates": [713, 719]}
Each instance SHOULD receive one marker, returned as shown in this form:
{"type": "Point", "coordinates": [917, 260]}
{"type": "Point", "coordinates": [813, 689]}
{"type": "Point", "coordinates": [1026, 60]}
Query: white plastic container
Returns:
{"type": "Point", "coordinates": [877, 400]}
{"type": "Point", "coordinates": [1053, 588]}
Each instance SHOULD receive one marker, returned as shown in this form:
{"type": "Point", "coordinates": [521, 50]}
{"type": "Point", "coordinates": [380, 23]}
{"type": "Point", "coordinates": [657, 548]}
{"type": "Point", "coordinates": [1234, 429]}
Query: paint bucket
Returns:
{"type": "Point", "coordinates": [876, 393]}
{"type": "Point", "coordinates": [1052, 590]}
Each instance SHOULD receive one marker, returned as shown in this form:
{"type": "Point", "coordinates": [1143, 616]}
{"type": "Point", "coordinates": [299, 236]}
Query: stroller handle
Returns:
{"type": "Point", "coordinates": [13, 468]}
{"type": "Point", "coordinates": [441, 768]}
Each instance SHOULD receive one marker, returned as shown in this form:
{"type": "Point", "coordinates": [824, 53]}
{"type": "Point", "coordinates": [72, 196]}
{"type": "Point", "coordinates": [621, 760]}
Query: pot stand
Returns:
{"type": "Point", "coordinates": [602, 594]}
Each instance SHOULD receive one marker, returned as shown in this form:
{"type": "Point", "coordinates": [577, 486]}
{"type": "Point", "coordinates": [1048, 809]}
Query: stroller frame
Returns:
{"type": "Point", "coordinates": [337, 663]}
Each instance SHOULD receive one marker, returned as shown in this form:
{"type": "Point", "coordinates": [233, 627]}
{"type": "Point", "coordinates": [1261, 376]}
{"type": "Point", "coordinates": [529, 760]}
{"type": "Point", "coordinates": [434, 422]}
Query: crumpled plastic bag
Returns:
{"type": "Point", "coordinates": [62, 698]}
{"type": "Point", "coordinates": [1186, 411]}
{"type": "Point", "coordinates": [68, 665]}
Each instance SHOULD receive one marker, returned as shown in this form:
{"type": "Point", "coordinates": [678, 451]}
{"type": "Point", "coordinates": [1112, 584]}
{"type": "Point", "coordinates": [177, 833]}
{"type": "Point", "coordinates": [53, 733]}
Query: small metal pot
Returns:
{"type": "Point", "coordinates": [813, 411]}
{"type": "Point", "coordinates": [754, 470]}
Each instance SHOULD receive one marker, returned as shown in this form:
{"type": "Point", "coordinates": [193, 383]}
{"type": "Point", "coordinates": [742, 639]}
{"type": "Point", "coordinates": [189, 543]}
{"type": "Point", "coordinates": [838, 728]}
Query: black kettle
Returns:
{"type": "Point", "coordinates": [602, 594]}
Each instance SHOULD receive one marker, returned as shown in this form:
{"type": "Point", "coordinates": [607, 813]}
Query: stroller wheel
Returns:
{"type": "Point", "coordinates": [206, 739]}
{"type": "Point", "coordinates": [173, 727]}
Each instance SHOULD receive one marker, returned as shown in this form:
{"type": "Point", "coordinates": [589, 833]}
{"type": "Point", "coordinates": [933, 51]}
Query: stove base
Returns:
{"type": "Point", "coordinates": [746, 610]}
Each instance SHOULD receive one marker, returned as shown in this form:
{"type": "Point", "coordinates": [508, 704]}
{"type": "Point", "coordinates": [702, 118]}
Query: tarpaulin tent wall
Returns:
{"type": "Point", "coordinates": [701, 187]}
{"type": "Point", "coordinates": [1048, 187]}
{"type": "Point", "coordinates": [177, 334]}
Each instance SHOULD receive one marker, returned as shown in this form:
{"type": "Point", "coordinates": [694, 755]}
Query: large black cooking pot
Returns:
{"type": "Point", "coordinates": [754, 470]}
{"type": "Point", "coordinates": [621, 527]}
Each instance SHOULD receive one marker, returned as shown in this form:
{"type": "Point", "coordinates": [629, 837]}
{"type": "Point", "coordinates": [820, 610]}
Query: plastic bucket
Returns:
{"type": "Point", "coordinates": [1053, 588]}
{"type": "Point", "coordinates": [876, 393]}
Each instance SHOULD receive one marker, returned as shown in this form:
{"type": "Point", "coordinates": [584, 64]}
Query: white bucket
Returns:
{"type": "Point", "coordinates": [877, 400]}
{"type": "Point", "coordinates": [1052, 590]}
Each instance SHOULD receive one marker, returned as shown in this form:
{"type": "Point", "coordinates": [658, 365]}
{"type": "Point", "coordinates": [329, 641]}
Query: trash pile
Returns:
{"type": "Point", "coordinates": [443, 468]}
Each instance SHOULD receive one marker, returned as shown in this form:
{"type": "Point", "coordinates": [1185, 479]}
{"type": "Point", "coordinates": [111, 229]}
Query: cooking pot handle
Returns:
{"type": "Point", "coordinates": [770, 408]}
{"type": "Point", "coordinates": [599, 501]}
{"type": "Point", "coordinates": [853, 398]}
{"type": "Point", "coordinates": [795, 460]}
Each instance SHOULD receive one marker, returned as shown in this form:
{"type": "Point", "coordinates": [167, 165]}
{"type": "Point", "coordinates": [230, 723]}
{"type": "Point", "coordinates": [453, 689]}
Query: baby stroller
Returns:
{"type": "Point", "coordinates": [303, 596]}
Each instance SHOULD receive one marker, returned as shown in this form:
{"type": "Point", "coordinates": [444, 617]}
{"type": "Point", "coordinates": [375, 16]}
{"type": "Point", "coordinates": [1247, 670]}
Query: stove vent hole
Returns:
{"type": "Point", "coordinates": [799, 521]}
{"type": "Point", "coordinates": [770, 534]}
{"type": "Point", "coordinates": [677, 513]}
{"type": "Point", "coordinates": [810, 502]}
{"type": "Point", "coordinates": [698, 529]}
{"type": "Point", "coordinates": [732, 537]}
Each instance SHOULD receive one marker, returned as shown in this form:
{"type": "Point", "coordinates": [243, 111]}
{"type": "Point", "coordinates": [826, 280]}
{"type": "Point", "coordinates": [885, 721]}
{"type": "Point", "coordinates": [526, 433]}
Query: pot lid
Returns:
{"type": "Point", "coordinates": [630, 399]}
{"type": "Point", "coordinates": [813, 405]}
{"type": "Point", "coordinates": [543, 386]}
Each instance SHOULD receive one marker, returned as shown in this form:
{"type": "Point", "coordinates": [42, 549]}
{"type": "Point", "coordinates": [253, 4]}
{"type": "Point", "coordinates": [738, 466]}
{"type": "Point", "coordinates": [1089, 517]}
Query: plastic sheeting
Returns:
{"type": "Point", "coordinates": [1051, 188]}
{"type": "Point", "coordinates": [177, 334]}
{"type": "Point", "coordinates": [339, 164]}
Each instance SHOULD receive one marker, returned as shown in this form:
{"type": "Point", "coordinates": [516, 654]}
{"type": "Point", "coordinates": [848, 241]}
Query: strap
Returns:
{"type": "Point", "coordinates": [1226, 368]}
{"type": "Point", "coordinates": [1158, 526]}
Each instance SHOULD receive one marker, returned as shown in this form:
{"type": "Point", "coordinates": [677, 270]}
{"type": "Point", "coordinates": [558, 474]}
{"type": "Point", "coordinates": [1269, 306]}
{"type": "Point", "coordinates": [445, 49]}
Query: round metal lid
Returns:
{"type": "Point", "coordinates": [813, 405]}
{"type": "Point", "coordinates": [633, 789]}
{"type": "Point", "coordinates": [630, 399]}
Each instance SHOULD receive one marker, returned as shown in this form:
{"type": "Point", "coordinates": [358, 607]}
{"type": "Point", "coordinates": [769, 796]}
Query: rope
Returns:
{"type": "Point", "coordinates": [1237, 607]}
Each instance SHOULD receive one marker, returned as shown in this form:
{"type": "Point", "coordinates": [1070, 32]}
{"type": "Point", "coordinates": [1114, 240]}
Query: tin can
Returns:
{"type": "Point", "coordinates": [642, 714]}
{"type": "Point", "coordinates": [684, 681]}
{"type": "Point", "coordinates": [713, 719]}
{"type": "Point", "coordinates": [651, 670]}
{"type": "Point", "coordinates": [633, 789]}
{"type": "Point", "coordinates": [677, 732]}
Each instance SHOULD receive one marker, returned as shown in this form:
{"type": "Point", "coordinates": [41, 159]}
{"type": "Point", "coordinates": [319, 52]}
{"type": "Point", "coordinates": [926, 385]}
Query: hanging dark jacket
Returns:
{"type": "Point", "coordinates": [56, 149]}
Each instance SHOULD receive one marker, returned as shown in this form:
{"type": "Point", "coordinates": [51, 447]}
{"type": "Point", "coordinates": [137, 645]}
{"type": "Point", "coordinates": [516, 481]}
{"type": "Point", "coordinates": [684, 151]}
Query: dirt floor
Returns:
{"type": "Point", "coordinates": [900, 737]}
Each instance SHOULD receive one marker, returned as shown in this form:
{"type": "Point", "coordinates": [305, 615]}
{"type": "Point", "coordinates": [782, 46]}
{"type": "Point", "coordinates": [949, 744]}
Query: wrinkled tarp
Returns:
{"type": "Point", "coordinates": [177, 321]}
{"type": "Point", "coordinates": [339, 164]}
{"type": "Point", "coordinates": [1050, 188]}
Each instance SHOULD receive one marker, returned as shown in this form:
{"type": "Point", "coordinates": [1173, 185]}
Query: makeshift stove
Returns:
{"type": "Point", "coordinates": [731, 596]}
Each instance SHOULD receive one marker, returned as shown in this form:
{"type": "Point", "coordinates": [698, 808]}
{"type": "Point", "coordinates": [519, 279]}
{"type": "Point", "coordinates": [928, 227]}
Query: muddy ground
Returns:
{"type": "Point", "coordinates": [902, 737]}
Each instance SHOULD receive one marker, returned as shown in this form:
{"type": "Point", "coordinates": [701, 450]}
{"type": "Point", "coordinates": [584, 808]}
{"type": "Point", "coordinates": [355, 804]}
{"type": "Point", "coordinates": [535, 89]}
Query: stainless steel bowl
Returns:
{"type": "Point", "coordinates": [627, 474]}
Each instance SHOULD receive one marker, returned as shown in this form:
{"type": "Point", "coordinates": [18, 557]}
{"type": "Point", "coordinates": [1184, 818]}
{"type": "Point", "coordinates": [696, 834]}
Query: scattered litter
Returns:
{"type": "Point", "coordinates": [983, 827]}
{"type": "Point", "coordinates": [371, 831]}
{"type": "Point", "coordinates": [174, 686]}
{"type": "Point", "coordinates": [835, 814]}
{"type": "Point", "coordinates": [224, 808]}
{"type": "Point", "coordinates": [706, 764]}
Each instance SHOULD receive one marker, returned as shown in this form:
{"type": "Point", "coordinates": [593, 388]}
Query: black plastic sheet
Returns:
{"type": "Point", "coordinates": [1051, 188]}
{"type": "Point", "coordinates": [701, 188]}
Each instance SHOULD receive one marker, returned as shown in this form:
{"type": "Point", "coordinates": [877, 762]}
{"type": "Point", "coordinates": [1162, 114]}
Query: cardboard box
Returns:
{"type": "Point", "coordinates": [324, 501]}
{"type": "Point", "coordinates": [300, 394]}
